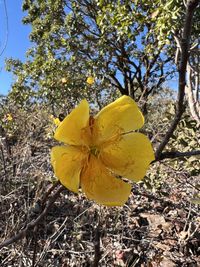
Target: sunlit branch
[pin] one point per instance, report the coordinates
(185, 43)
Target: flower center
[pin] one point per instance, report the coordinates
(94, 151)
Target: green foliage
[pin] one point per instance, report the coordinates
(114, 41)
(185, 138)
(127, 46)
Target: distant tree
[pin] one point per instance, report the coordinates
(114, 41)
(129, 47)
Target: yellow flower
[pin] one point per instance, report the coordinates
(56, 121)
(90, 80)
(99, 149)
(9, 117)
(64, 80)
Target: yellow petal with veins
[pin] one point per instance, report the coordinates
(120, 116)
(99, 185)
(129, 157)
(67, 162)
(73, 130)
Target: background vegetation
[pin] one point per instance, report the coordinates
(136, 48)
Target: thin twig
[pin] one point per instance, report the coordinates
(177, 154)
(3, 159)
(185, 43)
(33, 223)
(35, 246)
(97, 251)
(51, 188)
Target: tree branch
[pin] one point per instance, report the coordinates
(180, 106)
(118, 84)
(194, 105)
(177, 154)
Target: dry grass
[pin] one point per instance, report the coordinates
(152, 229)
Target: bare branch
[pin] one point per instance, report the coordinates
(97, 239)
(194, 105)
(3, 158)
(49, 191)
(177, 154)
(180, 106)
(118, 84)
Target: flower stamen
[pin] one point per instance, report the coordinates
(94, 151)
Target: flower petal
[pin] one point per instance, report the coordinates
(121, 116)
(99, 185)
(67, 162)
(130, 156)
(90, 80)
(72, 130)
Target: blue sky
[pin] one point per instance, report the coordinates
(18, 40)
